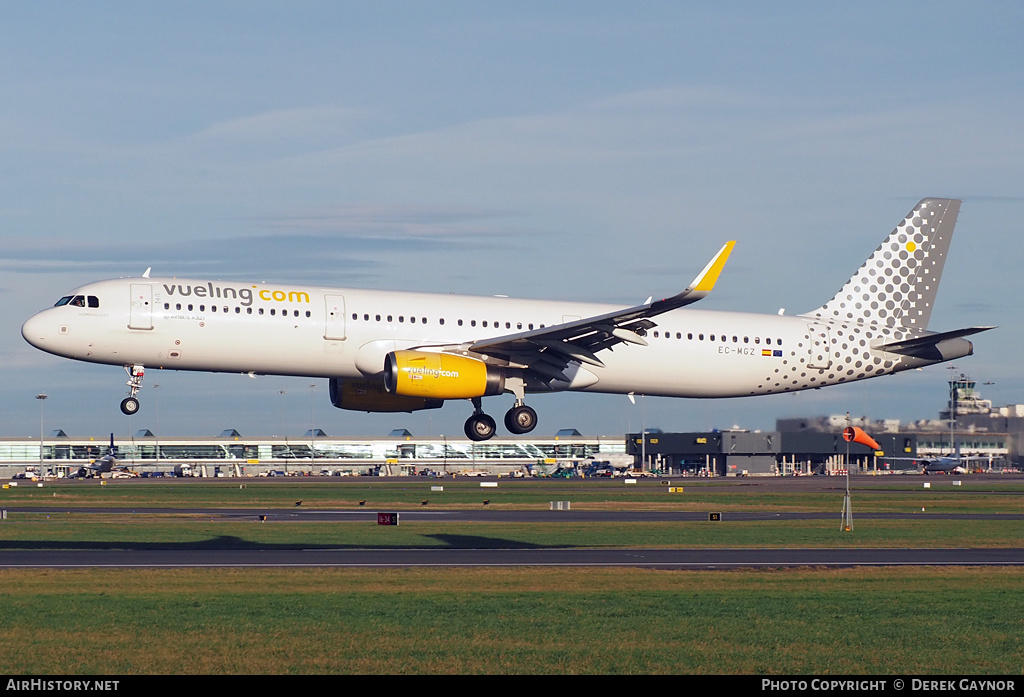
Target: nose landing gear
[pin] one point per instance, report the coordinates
(130, 404)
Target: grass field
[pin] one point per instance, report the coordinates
(117, 531)
(550, 621)
(618, 621)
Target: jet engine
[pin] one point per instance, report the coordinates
(440, 376)
(370, 395)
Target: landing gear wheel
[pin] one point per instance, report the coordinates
(480, 427)
(129, 405)
(520, 419)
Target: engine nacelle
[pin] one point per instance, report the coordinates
(440, 376)
(370, 395)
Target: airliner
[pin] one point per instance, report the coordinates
(402, 352)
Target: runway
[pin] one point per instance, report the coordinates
(706, 559)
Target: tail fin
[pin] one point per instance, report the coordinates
(896, 286)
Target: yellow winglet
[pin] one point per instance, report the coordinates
(707, 278)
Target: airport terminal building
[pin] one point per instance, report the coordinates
(231, 454)
(990, 437)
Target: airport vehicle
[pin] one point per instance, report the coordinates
(402, 352)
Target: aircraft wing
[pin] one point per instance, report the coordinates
(548, 351)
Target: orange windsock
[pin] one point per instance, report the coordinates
(857, 435)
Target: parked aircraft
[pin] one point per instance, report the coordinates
(946, 465)
(102, 465)
(399, 351)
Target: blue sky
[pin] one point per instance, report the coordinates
(580, 150)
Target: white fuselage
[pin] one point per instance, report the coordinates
(199, 325)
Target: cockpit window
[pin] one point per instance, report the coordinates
(79, 301)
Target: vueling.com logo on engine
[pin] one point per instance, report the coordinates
(418, 372)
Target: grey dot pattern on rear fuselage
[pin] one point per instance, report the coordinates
(849, 358)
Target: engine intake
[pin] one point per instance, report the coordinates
(440, 376)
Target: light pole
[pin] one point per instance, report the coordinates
(312, 421)
(41, 397)
(282, 393)
(156, 436)
(847, 514)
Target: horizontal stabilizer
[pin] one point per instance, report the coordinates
(927, 345)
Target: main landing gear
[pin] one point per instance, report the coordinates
(130, 404)
(518, 420)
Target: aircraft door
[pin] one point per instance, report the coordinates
(820, 354)
(141, 311)
(335, 318)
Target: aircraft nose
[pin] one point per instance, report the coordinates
(35, 330)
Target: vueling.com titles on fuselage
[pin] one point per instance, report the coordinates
(245, 296)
